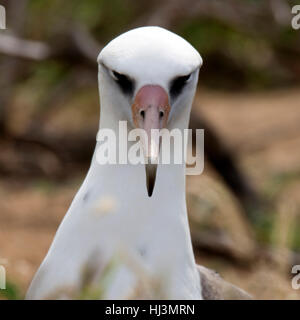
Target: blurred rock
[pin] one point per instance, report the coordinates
(217, 221)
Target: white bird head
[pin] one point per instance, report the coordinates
(148, 77)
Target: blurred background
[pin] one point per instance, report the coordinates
(244, 209)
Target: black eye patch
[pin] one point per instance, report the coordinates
(124, 82)
(178, 84)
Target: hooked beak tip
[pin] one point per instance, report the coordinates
(150, 177)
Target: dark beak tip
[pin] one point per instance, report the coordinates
(150, 178)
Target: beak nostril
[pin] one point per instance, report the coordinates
(142, 113)
(161, 114)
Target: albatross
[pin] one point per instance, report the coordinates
(132, 218)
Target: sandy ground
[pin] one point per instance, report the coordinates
(261, 128)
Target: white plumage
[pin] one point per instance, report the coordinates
(112, 218)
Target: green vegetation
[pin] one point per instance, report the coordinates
(12, 292)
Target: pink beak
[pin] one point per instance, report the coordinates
(150, 110)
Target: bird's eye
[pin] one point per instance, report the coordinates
(178, 84)
(124, 82)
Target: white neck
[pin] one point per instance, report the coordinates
(156, 225)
